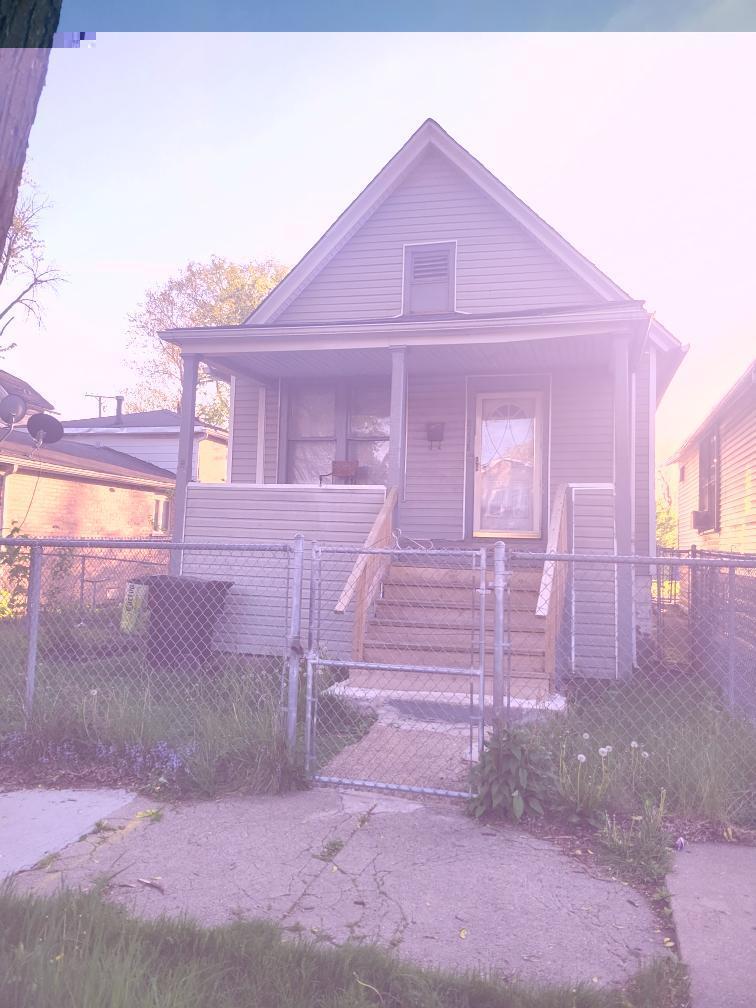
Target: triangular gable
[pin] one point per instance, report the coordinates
(428, 141)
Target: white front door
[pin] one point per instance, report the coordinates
(508, 461)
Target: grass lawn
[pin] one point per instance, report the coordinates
(666, 733)
(75, 951)
(199, 729)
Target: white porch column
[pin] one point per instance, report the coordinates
(398, 432)
(185, 452)
(623, 505)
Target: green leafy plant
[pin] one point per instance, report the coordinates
(513, 777)
(14, 574)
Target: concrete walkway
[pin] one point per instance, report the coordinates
(713, 889)
(37, 822)
(419, 878)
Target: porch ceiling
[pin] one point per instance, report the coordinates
(465, 357)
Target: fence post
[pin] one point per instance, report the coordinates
(313, 644)
(731, 637)
(295, 644)
(500, 588)
(32, 610)
(483, 590)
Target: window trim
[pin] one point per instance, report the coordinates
(343, 437)
(705, 483)
(161, 515)
(451, 247)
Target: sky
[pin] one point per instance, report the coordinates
(158, 149)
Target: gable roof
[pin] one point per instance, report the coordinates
(84, 458)
(13, 385)
(430, 134)
(744, 384)
(162, 418)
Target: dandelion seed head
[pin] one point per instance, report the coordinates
(644, 754)
(580, 758)
(609, 749)
(93, 692)
(633, 744)
(586, 736)
(603, 752)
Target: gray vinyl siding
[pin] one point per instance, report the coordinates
(255, 617)
(244, 424)
(593, 590)
(435, 480)
(737, 507)
(582, 427)
(500, 267)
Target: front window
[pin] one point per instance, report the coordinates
(342, 421)
(312, 433)
(368, 430)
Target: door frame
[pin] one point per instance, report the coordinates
(538, 384)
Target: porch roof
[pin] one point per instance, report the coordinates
(454, 342)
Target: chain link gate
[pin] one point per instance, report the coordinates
(396, 667)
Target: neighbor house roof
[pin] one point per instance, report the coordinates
(746, 381)
(157, 420)
(12, 385)
(82, 459)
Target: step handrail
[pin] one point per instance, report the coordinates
(378, 537)
(552, 589)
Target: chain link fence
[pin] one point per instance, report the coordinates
(382, 667)
(108, 658)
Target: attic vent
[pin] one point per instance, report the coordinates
(429, 278)
(430, 267)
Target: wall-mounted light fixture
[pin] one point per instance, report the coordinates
(434, 432)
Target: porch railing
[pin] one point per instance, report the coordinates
(551, 594)
(365, 578)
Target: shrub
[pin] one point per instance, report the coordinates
(513, 777)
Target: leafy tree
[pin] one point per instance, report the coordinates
(23, 270)
(216, 293)
(666, 513)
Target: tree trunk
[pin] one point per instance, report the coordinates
(26, 33)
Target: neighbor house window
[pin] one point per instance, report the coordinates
(161, 515)
(346, 419)
(429, 278)
(708, 480)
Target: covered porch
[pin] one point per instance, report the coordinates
(474, 422)
(451, 432)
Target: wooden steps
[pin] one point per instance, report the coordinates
(430, 616)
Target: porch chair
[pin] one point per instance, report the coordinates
(344, 470)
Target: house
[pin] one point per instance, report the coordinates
(12, 385)
(716, 471)
(153, 436)
(69, 490)
(442, 367)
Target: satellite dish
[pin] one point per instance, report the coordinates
(44, 429)
(12, 409)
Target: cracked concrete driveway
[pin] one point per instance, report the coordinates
(345, 866)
